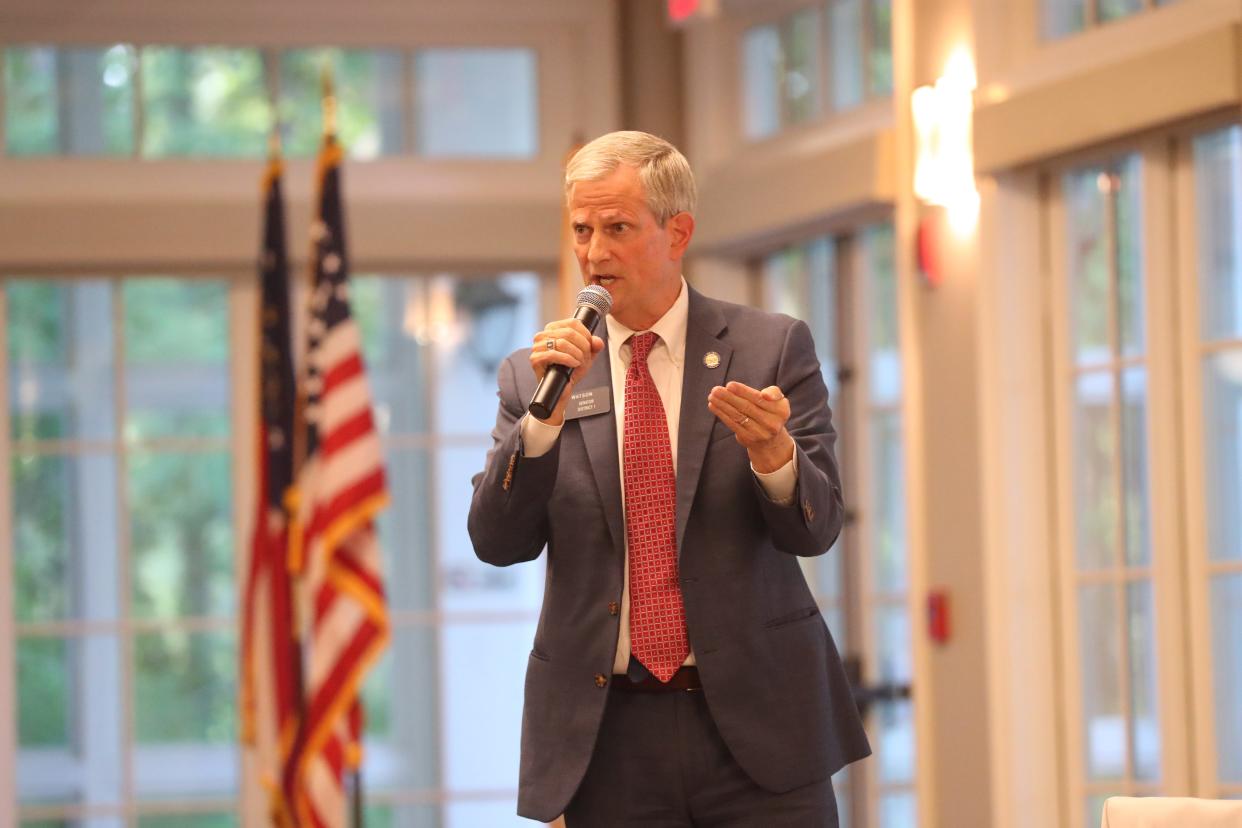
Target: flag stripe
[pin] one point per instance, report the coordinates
(350, 431)
(349, 509)
(346, 369)
(341, 402)
(341, 489)
(270, 653)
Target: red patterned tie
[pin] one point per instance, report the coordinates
(657, 616)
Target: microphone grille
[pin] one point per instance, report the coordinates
(596, 297)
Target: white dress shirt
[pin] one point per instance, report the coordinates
(666, 362)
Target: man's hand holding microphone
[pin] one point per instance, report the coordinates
(563, 351)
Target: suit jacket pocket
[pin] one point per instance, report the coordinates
(792, 617)
(539, 655)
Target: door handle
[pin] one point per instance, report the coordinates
(866, 695)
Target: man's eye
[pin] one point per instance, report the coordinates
(580, 229)
(620, 227)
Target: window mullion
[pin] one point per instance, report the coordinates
(439, 631)
(4, 150)
(850, 427)
(1120, 584)
(138, 113)
(124, 557)
(866, 35)
(8, 638)
(272, 80)
(784, 36)
(243, 304)
(408, 104)
(827, 74)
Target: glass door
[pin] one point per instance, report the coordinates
(1145, 278)
(1210, 188)
(844, 287)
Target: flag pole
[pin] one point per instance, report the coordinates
(359, 821)
(329, 137)
(329, 103)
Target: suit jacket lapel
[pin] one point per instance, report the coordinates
(705, 324)
(600, 435)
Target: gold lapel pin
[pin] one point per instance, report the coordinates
(711, 359)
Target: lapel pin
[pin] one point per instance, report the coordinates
(711, 359)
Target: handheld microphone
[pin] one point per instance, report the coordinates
(593, 305)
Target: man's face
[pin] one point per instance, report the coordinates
(621, 246)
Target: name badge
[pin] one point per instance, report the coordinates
(588, 402)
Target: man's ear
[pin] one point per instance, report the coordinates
(680, 229)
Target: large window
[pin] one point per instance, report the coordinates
(445, 704)
(844, 287)
(70, 101)
(1146, 346)
(1106, 379)
(173, 101)
(122, 549)
(1217, 165)
(369, 88)
(1061, 18)
(826, 58)
(125, 550)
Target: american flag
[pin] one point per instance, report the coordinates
(341, 489)
(271, 663)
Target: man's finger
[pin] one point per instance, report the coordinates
(581, 342)
(564, 340)
(768, 399)
(739, 413)
(572, 329)
(727, 415)
(746, 430)
(747, 405)
(564, 345)
(744, 391)
(545, 359)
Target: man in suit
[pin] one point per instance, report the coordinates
(681, 674)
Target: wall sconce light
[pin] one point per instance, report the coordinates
(944, 170)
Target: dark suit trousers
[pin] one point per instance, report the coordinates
(659, 762)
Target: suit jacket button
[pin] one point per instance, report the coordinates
(601, 680)
(613, 608)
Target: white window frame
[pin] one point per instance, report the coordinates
(858, 601)
(250, 800)
(1014, 58)
(1034, 715)
(125, 626)
(1199, 568)
(1164, 472)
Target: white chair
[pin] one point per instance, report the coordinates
(1170, 812)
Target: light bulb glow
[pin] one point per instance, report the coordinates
(944, 173)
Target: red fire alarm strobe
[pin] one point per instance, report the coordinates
(938, 616)
(930, 241)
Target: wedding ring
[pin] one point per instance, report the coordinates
(549, 344)
(743, 421)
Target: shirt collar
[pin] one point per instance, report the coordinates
(671, 328)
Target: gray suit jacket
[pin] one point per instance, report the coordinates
(771, 674)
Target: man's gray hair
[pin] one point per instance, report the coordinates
(663, 171)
